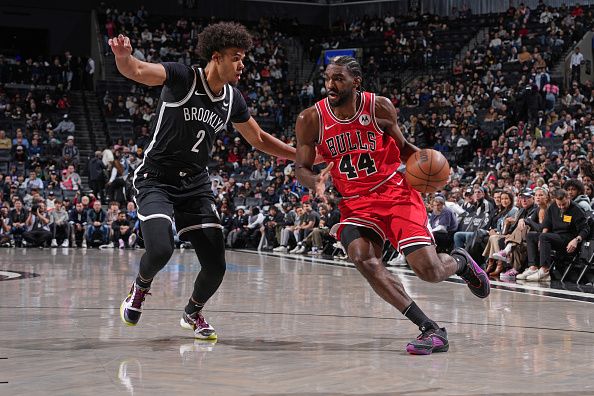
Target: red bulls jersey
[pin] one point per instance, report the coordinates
(364, 156)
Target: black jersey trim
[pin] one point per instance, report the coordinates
(211, 95)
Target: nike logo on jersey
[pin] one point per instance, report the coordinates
(326, 127)
(199, 93)
(225, 104)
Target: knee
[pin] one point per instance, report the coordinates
(368, 266)
(429, 273)
(544, 237)
(160, 251)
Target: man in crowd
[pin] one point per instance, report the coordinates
(565, 226)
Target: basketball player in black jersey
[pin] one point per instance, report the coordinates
(173, 182)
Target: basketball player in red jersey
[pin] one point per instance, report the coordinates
(358, 135)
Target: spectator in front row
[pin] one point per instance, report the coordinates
(517, 235)
(498, 228)
(123, 231)
(78, 223)
(239, 221)
(271, 228)
(309, 221)
(97, 231)
(18, 222)
(38, 233)
(290, 223)
(443, 224)
(59, 225)
(565, 226)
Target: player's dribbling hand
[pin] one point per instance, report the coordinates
(321, 181)
(120, 46)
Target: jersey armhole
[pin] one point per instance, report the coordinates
(320, 125)
(230, 108)
(373, 119)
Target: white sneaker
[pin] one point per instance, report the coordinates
(501, 256)
(398, 261)
(280, 249)
(338, 245)
(539, 276)
(527, 272)
(296, 248)
(315, 251)
(132, 240)
(84, 244)
(301, 250)
(54, 243)
(65, 243)
(108, 246)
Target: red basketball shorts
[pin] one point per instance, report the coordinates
(395, 211)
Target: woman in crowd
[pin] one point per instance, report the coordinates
(498, 228)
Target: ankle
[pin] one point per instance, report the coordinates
(192, 307)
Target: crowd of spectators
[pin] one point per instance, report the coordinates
(271, 98)
(519, 147)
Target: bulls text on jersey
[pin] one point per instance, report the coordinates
(350, 142)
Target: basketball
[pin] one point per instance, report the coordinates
(427, 171)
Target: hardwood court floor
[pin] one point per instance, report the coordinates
(286, 327)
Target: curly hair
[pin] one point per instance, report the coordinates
(223, 35)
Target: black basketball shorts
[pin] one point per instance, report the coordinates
(185, 198)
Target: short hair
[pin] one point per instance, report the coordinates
(350, 63)
(560, 194)
(578, 185)
(218, 36)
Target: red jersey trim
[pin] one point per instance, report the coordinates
(321, 124)
(372, 110)
(353, 118)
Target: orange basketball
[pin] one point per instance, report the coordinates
(427, 171)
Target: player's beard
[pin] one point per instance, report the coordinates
(342, 97)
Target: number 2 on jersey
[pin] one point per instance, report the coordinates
(365, 162)
(200, 136)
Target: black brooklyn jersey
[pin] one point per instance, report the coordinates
(189, 116)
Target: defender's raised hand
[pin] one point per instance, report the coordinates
(120, 46)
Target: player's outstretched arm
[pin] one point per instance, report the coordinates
(264, 141)
(387, 118)
(307, 130)
(132, 68)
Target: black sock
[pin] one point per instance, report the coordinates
(193, 307)
(143, 283)
(462, 263)
(418, 317)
